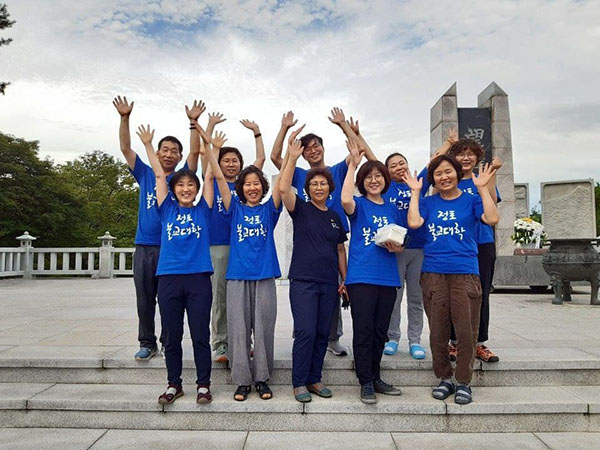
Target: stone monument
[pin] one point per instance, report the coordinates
(522, 200)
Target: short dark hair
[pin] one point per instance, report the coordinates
(387, 160)
(239, 183)
(305, 140)
(324, 172)
(435, 162)
(366, 169)
(182, 173)
(464, 145)
(171, 139)
(225, 150)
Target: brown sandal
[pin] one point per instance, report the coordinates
(173, 392)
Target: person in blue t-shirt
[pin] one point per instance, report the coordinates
(469, 154)
(231, 161)
(450, 279)
(318, 256)
(147, 237)
(184, 266)
(314, 154)
(251, 273)
(373, 276)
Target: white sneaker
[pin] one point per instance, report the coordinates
(336, 348)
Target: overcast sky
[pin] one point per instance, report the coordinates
(385, 62)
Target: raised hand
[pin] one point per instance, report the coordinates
(288, 121)
(123, 107)
(496, 163)
(355, 154)
(295, 133)
(411, 180)
(353, 125)
(485, 175)
(215, 118)
(196, 110)
(218, 139)
(337, 116)
(145, 134)
(452, 136)
(250, 125)
(295, 149)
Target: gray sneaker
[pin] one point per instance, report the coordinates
(367, 393)
(221, 354)
(381, 387)
(336, 348)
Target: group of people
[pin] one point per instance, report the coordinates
(214, 258)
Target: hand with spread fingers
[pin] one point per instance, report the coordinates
(337, 116)
(145, 134)
(218, 140)
(196, 110)
(123, 106)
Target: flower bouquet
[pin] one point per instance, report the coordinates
(528, 233)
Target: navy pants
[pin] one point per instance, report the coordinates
(191, 294)
(371, 307)
(312, 305)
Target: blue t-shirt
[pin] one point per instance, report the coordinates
(252, 254)
(368, 263)
(218, 225)
(334, 201)
(184, 243)
(451, 226)
(485, 233)
(148, 226)
(317, 234)
(399, 194)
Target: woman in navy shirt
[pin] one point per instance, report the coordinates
(251, 273)
(318, 255)
(372, 270)
(450, 279)
(184, 266)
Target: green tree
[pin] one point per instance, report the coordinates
(33, 198)
(106, 190)
(5, 22)
(536, 213)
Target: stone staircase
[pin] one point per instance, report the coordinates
(530, 390)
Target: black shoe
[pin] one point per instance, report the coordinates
(367, 393)
(381, 387)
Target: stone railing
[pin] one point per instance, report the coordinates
(27, 261)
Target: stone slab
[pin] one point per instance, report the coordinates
(467, 441)
(519, 270)
(522, 208)
(59, 356)
(543, 359)
(322, 441)
(570, 441)
(48, 438)
(15, 395)
(569, 209)
(588, 394)
(170, 440)
(519, 400)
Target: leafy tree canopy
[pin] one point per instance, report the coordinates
(5, 22)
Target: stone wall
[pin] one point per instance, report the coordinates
(569, 209)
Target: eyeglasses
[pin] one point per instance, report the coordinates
(377, 177)
(314, 184)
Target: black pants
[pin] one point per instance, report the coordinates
(192, 294)
(486, 255)
(145, 261)
(371, 307)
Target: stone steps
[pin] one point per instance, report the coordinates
(496, 409)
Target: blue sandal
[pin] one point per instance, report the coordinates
(463, 395)
(391, 347)
(417, 352)
(443, 391)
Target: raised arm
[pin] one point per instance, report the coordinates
(496, 164)
(352, 132)
(162, 189)
(288, 196)
(490, 215)
(193, 114)
(414, 218)
(124, 109)
(213, 120)
(451, 139)
(287, 122)
(258, 140)
(348, 188)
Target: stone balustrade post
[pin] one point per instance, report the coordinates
(26, 243)
(106, 262)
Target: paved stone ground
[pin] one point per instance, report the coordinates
(71, 317)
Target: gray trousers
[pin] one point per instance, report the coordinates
(145, 261)
(219, 254)
(251, 307)
(409, 267)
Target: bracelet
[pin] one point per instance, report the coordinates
(192, 128)
(257, 135)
